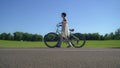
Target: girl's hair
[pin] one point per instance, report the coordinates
(64, 14)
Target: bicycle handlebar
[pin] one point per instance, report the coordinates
(59, 24)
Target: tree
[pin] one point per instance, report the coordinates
(106, 36)
(9, 37)
(6, 36)
(18, 36)
(3, 36)
(117, 34)
(79, 35)
(37, 37)
(101, 37)
(26, 37)
(111, 36)
(0, 36)
(96, 36)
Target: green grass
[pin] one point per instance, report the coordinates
(20, 44)
(89, 44)
(103, 44)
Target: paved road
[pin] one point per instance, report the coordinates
(60, 58)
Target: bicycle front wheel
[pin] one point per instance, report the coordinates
(76, 42)
(51, 40)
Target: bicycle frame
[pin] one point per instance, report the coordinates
(58, 31)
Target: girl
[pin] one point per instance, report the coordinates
(65, 32)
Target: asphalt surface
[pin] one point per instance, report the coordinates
(60, 58)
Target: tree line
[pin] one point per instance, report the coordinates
(96, 36)
(21, 36)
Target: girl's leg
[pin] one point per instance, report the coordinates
(69, 42)
(59, 43)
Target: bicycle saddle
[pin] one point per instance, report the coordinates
(71, 30)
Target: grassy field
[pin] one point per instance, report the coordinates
(89, 44)
(103, 44)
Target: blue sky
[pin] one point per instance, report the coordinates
(41, 16)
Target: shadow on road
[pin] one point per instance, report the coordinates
(115, 47)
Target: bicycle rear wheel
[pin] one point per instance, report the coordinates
(51, 40)
(76, 42)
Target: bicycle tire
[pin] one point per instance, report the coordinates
(52, 41)
(77, 43)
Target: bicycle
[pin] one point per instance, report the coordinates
(53, 39)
